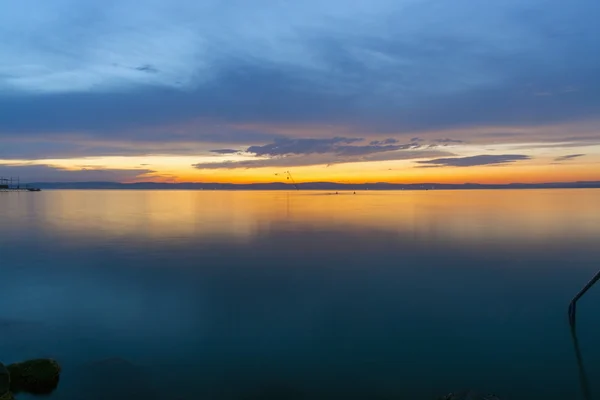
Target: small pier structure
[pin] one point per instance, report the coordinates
(12, 184)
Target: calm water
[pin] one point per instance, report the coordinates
(301, 295)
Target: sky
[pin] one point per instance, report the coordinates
(242, 91)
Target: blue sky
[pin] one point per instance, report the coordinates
(110, 84)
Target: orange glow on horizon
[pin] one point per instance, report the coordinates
(499, 174)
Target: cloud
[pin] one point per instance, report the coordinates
(448, 141)
(312, 151)
(474, 160)
(49, 173)
(338, 145)
(147, 68)
(302, 146)
(320, 159)
(383, 142)
(225, 151)
(194, 140)
(370, 149)
(444, 142)
(568, 157)
(582, 141)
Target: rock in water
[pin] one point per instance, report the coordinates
(4, 381)
(34, 376)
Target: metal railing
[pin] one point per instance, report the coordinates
(573, 304)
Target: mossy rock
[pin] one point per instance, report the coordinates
(4, 380)
(38, 376)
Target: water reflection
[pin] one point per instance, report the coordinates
(396, 295)
(583, 377)
(468, 217)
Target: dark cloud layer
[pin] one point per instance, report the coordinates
(450, 72)
(474, 160)
(234, 98)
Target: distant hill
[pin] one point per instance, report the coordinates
(308, 186)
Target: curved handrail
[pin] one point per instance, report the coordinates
(573, 303)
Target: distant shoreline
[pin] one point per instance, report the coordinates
(310, 186)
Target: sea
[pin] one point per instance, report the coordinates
(406, 295)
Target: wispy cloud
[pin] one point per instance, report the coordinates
(564, 143)
(568, 157)
(474, 160)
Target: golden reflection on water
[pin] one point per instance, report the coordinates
(466, 215)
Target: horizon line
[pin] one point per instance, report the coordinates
(308, 183)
